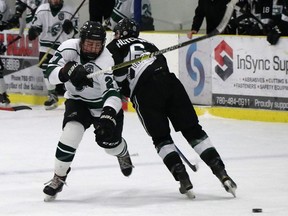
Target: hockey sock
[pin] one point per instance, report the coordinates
(69, 141)
(167, 151)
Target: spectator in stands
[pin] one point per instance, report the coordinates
(50, 20)
(269, 18)
(100, 10)
(274, 17)
(21, 6)
(138, 10)
(243, 21)
(210, 10)
(4, 14)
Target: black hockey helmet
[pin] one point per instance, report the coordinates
(94, 31)
(126, 28)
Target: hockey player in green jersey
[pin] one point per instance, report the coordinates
(89, 102)
(49, 21)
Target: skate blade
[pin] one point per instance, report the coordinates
(229, 188)
(54, 106)
(190, 194)
(49, 198)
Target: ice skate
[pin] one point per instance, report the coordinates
(218, 169)
(229, 185)
(54, 186)
(52, 101)
(125, 163)
(185, 183)
(4, 100)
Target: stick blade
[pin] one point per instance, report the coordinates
(15, 108)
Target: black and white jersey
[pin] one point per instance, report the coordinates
(131, 48)
(105, 91)
(273, 13)
(51, 25)
(268, 10)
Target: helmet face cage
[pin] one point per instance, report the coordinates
(126, 28)
(93, 31)
(56, 6)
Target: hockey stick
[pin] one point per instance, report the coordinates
(248, 14)
(16, 108)
(194, 167)
(21, 31)
(220, 28)
(55, 41)
(14, 40)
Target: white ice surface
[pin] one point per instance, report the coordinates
(255, 154)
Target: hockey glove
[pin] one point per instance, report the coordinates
(3, 26)
(67, 26)
(6, 26)
(273, 36)
(34, 32)
(14, 21)
(3, 48)
(76, 73)
(107, 124)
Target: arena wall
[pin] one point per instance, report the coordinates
(224, 73)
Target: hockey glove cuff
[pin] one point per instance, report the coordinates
(107, 124)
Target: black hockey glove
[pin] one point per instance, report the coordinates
(3, 48)
(107, 124)
(67, 26)
(124, 88)
(3, 26)
(34, 32)
(273, 36)
(14, 21)
(6, 26)
(76, 73)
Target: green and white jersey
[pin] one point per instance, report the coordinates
(126, 9)
(5, 11)
(32, 5)
(105, 91)
(51, 25)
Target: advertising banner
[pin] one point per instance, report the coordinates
(249, 72)
(236, 71)
(21, 74)
(195, 70)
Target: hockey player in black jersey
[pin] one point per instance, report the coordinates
(158, 96)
